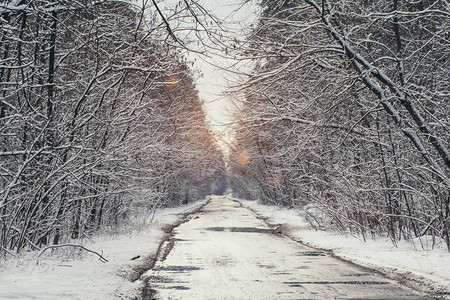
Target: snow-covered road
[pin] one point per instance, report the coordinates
(226, 252)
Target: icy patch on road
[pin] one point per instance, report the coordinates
(71, 274)
(408, 260)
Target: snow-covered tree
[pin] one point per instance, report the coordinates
(348, 109)
(95, 111)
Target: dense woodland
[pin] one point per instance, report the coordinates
(98, 118)
(348, 109)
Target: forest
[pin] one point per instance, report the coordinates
(343, 105)
(347, 109)
(99, 119)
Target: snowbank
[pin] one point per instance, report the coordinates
(426, 269)
(75, 274)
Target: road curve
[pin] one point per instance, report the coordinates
(226, 252)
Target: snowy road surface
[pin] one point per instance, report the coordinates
(226, 252)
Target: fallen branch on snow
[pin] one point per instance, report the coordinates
(101, 258)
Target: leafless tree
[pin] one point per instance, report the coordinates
(95, 109)
(350, 100)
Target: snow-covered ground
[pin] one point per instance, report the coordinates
(428, 269)
(75, 274)
(71, 274)
(227, 252)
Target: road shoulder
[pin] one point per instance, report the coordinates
(422, 270)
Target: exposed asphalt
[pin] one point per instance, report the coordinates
(225, 252)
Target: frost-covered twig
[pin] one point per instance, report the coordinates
(5, 251)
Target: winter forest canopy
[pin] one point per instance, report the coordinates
(345, 108)
(348, 109)
(98, 118)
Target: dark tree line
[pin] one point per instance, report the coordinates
(96, 112)
(348, 109)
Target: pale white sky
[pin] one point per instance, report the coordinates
(236, 17)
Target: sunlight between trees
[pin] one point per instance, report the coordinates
(345, 108)
(99, 118)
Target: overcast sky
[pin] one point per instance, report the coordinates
(237, 17)
(214, 81)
